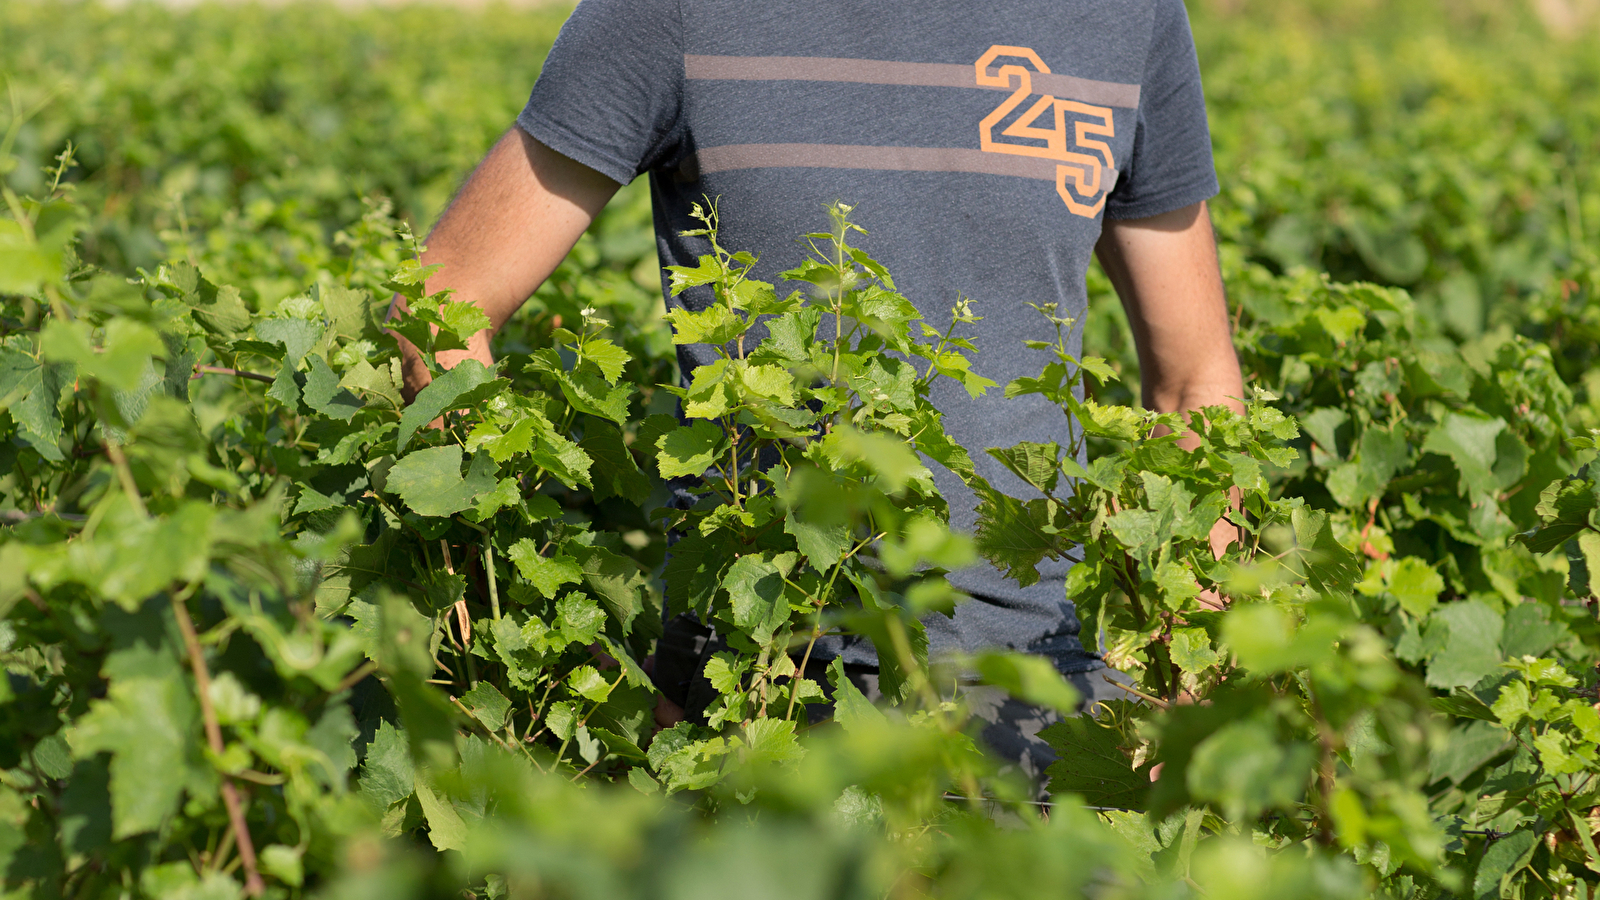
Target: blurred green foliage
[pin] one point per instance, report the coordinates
(399, 626)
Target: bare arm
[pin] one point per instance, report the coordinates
(513, 222)
(1165, 270)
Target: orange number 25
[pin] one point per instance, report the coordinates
(1080, 176)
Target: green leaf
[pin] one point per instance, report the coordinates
(1501, 859)
(589, 394)
(33, 391)
(430, 480)
(1035, 464)
(615, 581)
(606, 356)
(120, 362)
(851, 708)
(1529, 631)
(1191, 650)
(446, 831)
(440, 395)
(1118, 422)
(891, 461)
(26, 265)
(1467, 635)
(488, 705)
(716, 325)
(641, 781)
(1326, 427)
(580, 618)
(612, 471)
(689, 449)
(1011, 534)
(546, 574)
(755, 586)
(297, 336)
(1469, 442)
(219, 311)
(1470, 745)
(285, 387)
(791, 335)
(1031, 679)
(1245, 768)
(1416, 585)
(464, 319)
(386, 775)
(1330, 567)
(588, 683)
(1093, 765)
(821, 545)
(771, 742)
(151, 728)
(323, 393)
(694, 572)
(283, 863)
(1569, 500)
(707, 270)
(770, 382)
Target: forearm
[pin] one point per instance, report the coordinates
(1165, 270)
(506, 231)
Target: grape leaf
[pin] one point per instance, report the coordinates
(689, 449)
(546, 574)
(430, 480)
(297, 336)
(606, 356)
(1093, 765)
(488, 705)
(151, 728)
(441, 394)
(1467, 635)
(323, 393)
(386, 776)
(1469, 442)
(612, 470)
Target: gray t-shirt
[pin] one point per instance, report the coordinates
(980, 144)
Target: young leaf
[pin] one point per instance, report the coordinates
(546, 574)
(690, 449)
(488, 705)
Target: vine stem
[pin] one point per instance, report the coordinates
(253, 885)
(816, 629)
(223, 370)
(794, 690)
(1137, 693)
(488, 566)
(125, 476)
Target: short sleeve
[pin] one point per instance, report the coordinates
(1171, 165)
(610, 93)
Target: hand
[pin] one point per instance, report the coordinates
(512, 224)
(667, 713)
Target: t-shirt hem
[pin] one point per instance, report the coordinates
(1165, 202)
(564, 141)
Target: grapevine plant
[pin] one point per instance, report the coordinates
(270, 630)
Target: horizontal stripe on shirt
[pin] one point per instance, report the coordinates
(899, 159)
(872, 71)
